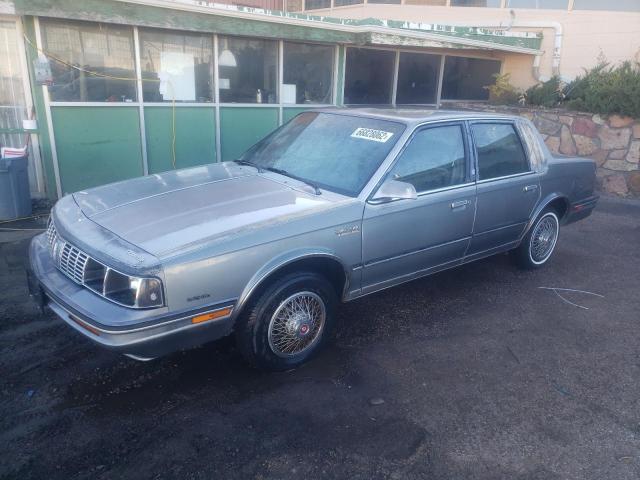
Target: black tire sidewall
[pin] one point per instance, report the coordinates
(256, 328)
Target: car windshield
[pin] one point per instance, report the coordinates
(333, 151)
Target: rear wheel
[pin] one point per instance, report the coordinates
(288, 322)
(539, 243)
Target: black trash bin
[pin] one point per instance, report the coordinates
(15, 200)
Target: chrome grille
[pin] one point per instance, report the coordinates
(52, 235)
(72, 262)
(86, 271)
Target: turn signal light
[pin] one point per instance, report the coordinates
(212, 316)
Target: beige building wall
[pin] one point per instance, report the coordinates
(586, 35)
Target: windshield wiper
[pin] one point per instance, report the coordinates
(315, 187)
(251, 164)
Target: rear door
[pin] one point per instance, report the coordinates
(411, 237)
(507, 187)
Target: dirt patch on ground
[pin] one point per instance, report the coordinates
(472, 373)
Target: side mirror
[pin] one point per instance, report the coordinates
(392, 190)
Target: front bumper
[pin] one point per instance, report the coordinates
(140, 334)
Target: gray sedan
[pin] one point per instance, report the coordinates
(334, 205)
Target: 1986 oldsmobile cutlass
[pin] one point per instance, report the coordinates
(334, 205)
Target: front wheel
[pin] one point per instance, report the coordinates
(539, 243)
(288, 322)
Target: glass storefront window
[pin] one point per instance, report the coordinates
(316, 4)
(618, 5)
(417, 79)
(342, 3)
(103, 55)
(385, 1)
(12, 99)
(540, 4)
(308, 73)
(465, 78)
(180, 66)
(477, 3)
(368, 76)
(437, 3)
(247, 70)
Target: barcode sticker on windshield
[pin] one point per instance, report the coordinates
(371, 134)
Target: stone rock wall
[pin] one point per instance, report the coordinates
(613, 142)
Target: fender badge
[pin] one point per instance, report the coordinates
(348, 230)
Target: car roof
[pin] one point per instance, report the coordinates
(414, 115)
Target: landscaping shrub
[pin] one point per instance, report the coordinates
(545, 94)
(603, 89)
(501, 92)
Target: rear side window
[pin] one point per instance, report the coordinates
(434, 158)
(500, 151)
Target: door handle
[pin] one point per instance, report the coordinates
(460, 203)
(530, 188)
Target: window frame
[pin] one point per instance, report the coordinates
(439, 73)
(334, 72)
(394, 75)
(468, 180)
(41, 26)
(141, 30)
(476, 165)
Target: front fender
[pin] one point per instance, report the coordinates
(280, 262)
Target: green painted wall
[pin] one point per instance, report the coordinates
(195, 137)
(241, 127)
(96, 145)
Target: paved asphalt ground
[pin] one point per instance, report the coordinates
(482, 374)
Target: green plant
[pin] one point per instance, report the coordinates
(501, 91)
(546, 94)
(606, 89)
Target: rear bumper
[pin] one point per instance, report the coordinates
(582, 209)
(142, 335)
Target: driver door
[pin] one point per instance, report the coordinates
(408, 238)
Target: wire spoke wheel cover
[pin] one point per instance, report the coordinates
(297, 324)
(544, 238)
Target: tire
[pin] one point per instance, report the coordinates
(288, 322)
(540, 242)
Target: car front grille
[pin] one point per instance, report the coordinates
(52, 235)
(73, 262)
(70, 260)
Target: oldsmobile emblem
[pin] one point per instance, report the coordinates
(348, 230)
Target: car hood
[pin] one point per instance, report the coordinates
(166, 213)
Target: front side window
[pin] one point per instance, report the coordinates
(307, 73)
(434, 158)
(499, 149)
(97, 61)
(248, 70)
(176, 66)
(336, 152)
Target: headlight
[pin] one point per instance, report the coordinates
(132, 291)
